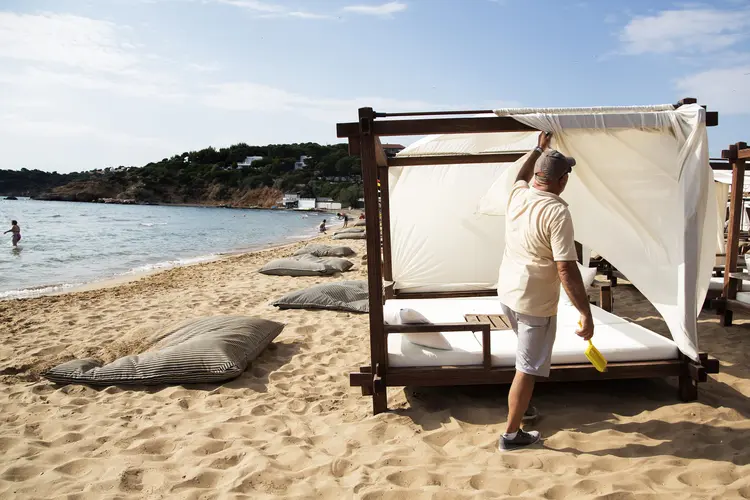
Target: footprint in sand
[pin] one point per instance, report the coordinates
(131, 480)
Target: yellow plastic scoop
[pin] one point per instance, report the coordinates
(594, 356)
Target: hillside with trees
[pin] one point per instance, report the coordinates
(209, 176)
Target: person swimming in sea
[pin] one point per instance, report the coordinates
(16, 230)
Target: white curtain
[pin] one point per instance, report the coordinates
(641, 194)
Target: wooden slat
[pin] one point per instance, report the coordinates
(743, 154)
(415, 161)
(446, 295)
(378, 350)
(496, 321)
(427, 126)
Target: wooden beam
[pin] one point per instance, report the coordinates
(437, 327)
(720, 165)
(354, 146)
(729, 291)
(427, 126)
(743, 154)
(414, 161)
(446, 294)
(474, 375)
(378, 346)
(605, 298)
(385, 208)
(712, 118)
(437, 113)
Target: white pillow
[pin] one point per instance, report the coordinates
(433, 340)
(588, 274)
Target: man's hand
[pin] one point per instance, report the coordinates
(543, 141)
(527, 170)
(586, 330)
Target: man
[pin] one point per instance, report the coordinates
(539, 254)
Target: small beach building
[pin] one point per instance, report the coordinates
(306, 204)
(327, 204)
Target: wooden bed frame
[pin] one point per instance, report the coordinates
(364, 141)
(727, 304)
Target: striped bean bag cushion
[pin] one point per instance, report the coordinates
(349, 236)
(306, 265)
(349, 230)
(325, 251)
(201, 350)
(351, 296)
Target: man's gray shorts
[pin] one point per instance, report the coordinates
(536, 336)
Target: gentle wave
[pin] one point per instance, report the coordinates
(172, 263)
(29, 293)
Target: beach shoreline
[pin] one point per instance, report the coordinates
(157, 267)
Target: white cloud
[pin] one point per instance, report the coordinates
(386, 9)
(268, 9)
(724, 90)
(67, 40)
(685, 31)
(245, 96)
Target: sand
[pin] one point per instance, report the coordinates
(292, 427)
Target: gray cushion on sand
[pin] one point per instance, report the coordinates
(325, 251)
(360, 223)
(349, 236)
(200, 350)
(349, 230)
(306, 265)
(339, 296)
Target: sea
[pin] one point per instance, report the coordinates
(65, 244)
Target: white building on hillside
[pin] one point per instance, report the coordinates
(248, 161)
(298, 165)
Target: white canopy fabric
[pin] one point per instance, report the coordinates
(641, 195)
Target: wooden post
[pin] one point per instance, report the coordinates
(385, 208)
(378, 348)
(733, 235)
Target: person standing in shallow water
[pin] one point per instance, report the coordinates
(322, 226)
(16, 230)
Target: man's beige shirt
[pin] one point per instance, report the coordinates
(538, 232)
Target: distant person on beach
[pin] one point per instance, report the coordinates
(362, 216)
(322, 226)
(346, 220)
(16, 230)
(540, 253)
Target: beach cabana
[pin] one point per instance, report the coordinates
(641, 196)
(732, 300)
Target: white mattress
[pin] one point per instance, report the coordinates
(615, 337)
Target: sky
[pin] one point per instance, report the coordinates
(90, 84)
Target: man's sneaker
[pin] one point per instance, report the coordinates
(530, 415)
(522, 440)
